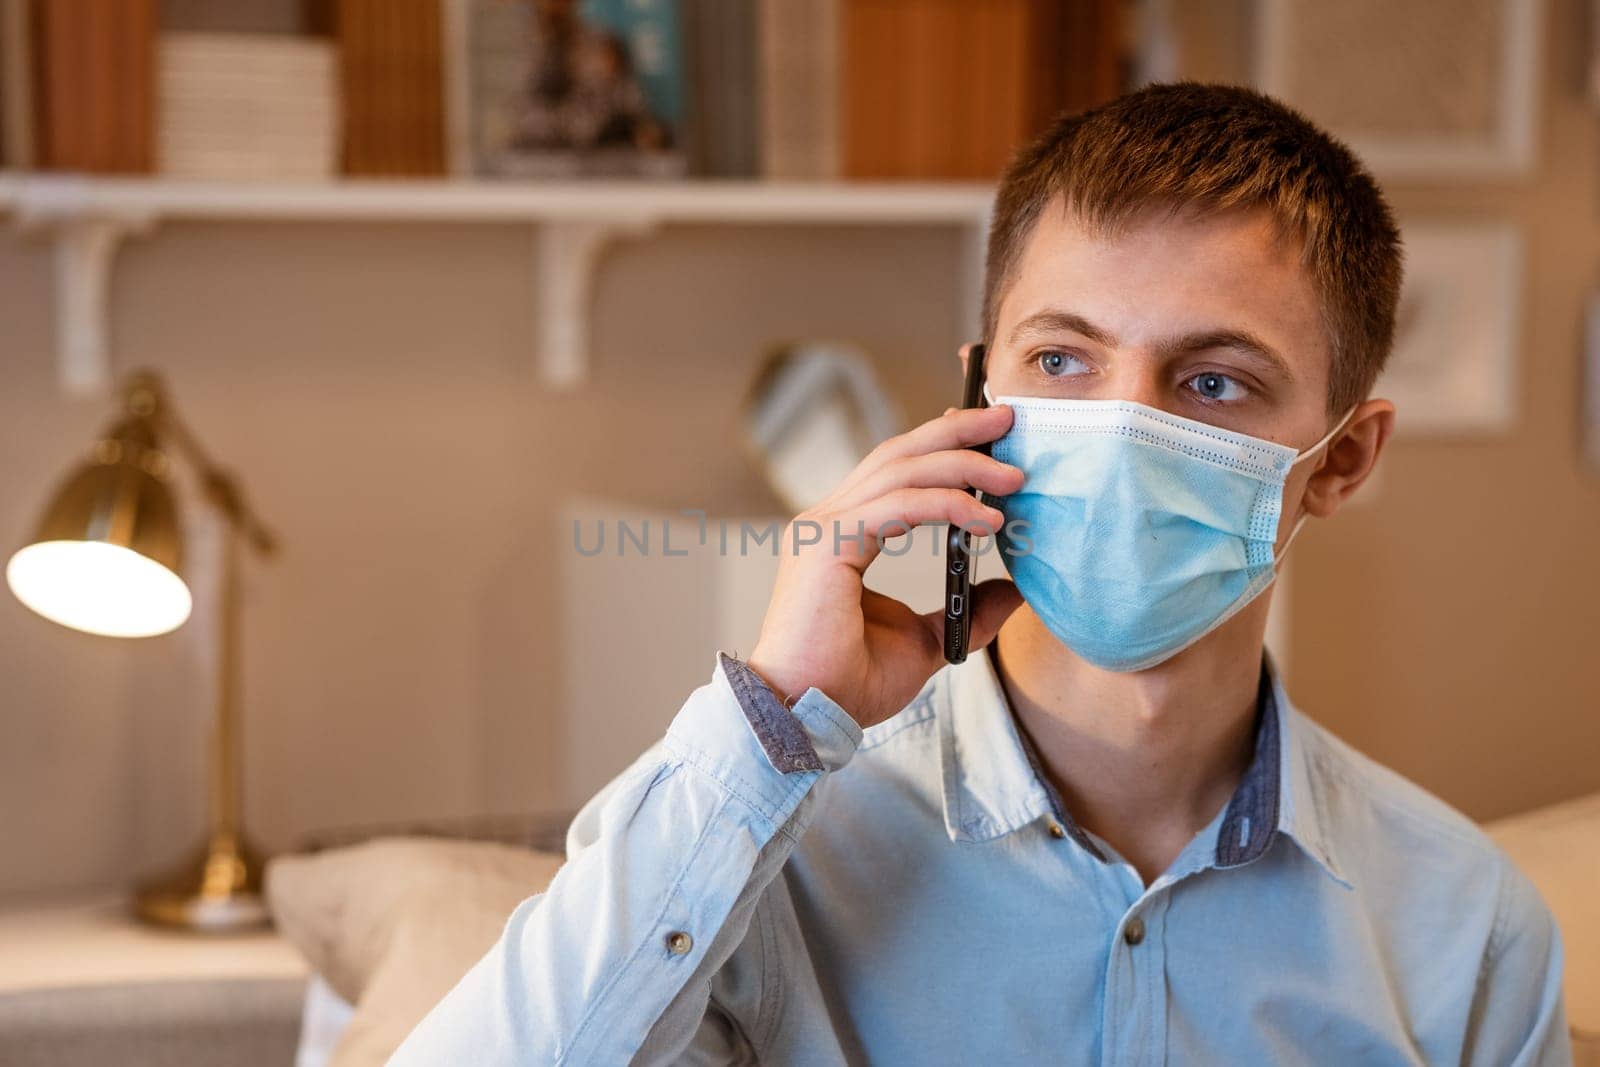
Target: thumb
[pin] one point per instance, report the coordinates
(993, 602)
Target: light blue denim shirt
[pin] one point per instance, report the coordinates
(778, 887)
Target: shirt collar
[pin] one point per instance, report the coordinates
(993, 785)
(989, 788)
(1302, 814)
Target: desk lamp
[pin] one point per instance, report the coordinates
(107, 558)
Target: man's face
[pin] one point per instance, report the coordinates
(1210, 318)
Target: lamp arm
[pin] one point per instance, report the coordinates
(219, 486)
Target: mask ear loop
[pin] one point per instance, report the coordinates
(1307, 453)
(1301, 458)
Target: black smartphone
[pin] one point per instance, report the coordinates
(958, 542)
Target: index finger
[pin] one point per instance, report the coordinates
(957, 428)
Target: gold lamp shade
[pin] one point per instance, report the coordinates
(107, 557)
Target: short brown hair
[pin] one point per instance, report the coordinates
(1211, 148)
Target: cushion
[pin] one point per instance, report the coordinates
(1558, 848)
(393, 924)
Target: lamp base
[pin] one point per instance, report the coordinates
(217, 891)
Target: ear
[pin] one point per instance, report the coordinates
(965, 349)
(1350, 458)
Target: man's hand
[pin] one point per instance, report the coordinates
(869, 653)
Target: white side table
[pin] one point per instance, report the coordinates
(82, 983)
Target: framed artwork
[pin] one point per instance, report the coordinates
(1454, 364)
(566, 88)
(1426, 88)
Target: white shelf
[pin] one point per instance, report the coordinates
(480, 201)
(88, 218)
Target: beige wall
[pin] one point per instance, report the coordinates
(373, 385)
(1450, 627)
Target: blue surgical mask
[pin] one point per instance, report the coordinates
(1137, 532)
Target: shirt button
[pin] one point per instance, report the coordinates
(679, 943)
(1056, 829)
(1133, 931)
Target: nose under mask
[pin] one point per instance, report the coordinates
(1136, 531)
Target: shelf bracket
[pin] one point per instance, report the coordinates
(566, 255)
(85, 247)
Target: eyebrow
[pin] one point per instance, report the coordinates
(1243, 342)
(1054, 320)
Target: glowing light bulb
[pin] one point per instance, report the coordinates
(99, 588)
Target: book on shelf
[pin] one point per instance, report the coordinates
(391, 73)
(1079, 56)
(247, 105)
(951, 89)
(799, 52)
(722, 127)
(93, 73)
(16, 85)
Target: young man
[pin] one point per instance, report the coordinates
(1108, 837)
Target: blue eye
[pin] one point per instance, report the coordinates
(1218, 387)
(1060, 364)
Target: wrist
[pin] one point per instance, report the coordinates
(785, 690)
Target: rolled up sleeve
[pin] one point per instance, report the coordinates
(611, 964)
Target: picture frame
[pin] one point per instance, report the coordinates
(575, 89)
(1453, 368)
(1438, 89)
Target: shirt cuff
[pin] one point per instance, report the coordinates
(814, 735)
(713, 733)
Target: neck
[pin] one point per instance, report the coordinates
(1145, 759)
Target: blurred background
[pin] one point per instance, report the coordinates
(435, 280)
